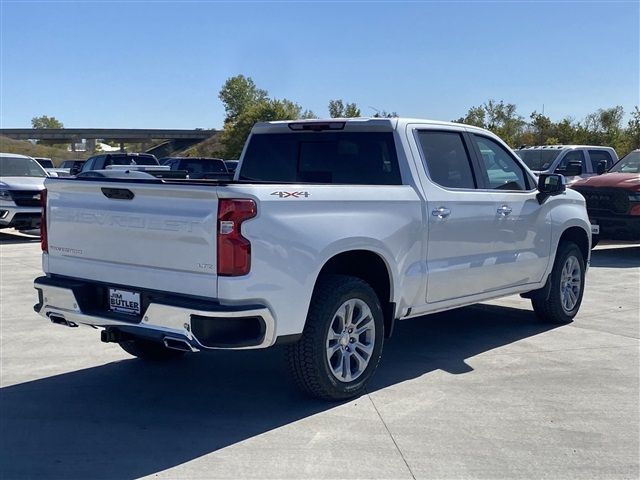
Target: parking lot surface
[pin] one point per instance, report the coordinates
(480, 392)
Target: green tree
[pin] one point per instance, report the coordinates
(385, 114)
(46, 122)
(235, 134)
(238, 94)
(338, 109)
(499, 117)
(541, 127)
(633, 131)
(308, 115)
(475, 116)
(565, 131)
(504, 121)
(602, 127)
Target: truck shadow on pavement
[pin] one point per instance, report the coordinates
(625, 257)
(12, 239)
(128, 419)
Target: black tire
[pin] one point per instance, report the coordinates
(307, 359)
(594, 240)
(146, 350)
(547, 304)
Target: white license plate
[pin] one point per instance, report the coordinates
(595, 229)
(124, 301)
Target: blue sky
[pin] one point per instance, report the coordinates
(161, 64)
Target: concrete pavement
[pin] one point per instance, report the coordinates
(481, 392)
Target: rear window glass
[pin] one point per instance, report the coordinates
(359, 158)
(132, 160)
(201, 166)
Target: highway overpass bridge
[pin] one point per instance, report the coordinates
(172, 139)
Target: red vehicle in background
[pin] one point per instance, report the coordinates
(613, 200)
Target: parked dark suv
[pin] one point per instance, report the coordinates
(102, 161)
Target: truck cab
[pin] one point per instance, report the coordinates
(572, 161)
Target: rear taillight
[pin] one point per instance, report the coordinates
(234, 251)
(44, 241)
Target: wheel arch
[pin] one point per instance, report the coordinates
(580, 237)
(371, 267)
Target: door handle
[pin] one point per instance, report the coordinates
(441, 212)
(504, 210)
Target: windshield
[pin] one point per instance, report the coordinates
(540, 160)
(20, 167)
(629, 164)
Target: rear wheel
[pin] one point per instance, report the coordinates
(342, 340)
(147, 350)
(565, 287)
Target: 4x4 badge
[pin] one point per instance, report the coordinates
(291, 194)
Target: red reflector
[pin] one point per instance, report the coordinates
(44, 241)
(234, 251)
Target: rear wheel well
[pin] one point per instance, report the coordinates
(371, 268)
(578, 236)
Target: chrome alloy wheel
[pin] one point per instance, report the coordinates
(350, 340)
(570, 283)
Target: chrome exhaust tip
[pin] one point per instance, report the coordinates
(178, 344)
(60, 320)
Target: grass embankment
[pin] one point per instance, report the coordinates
(56, 153)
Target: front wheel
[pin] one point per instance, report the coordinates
(566, 286)
(342, 340)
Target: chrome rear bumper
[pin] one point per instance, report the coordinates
(173, 317)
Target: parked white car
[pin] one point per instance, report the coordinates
(21, 183)
(330, 232)
(572, 161)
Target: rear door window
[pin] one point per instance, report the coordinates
(598, 156)
(358, 158)
(573, 156)
(447, 159)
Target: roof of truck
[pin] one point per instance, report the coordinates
(558, 147)
(13, 155)
(374, 123)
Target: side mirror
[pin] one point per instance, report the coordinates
(602, 167)
(572, 169)
(550, 184)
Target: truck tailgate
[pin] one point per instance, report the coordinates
(128, 233)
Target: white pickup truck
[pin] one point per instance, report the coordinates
(329, 233)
